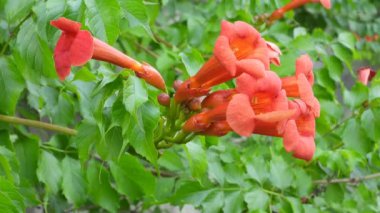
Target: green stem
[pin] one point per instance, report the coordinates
(56, 149)
(38, 124)
(273, 193)
(14, 32)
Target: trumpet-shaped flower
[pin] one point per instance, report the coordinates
(365, 75)
(201, 121)
(298, 137)
(239, 49)
(76, 47)
(300, 85)
(243, 119)
(218, 128)
(218, 98)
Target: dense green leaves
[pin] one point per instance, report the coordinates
(113, 161)
(132, 179)
(11, 86)
(49, 171)
(73, 181)
(104, 18)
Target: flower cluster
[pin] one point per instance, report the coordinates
(76, 47)
(262, 102)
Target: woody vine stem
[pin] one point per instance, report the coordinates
(73, 132)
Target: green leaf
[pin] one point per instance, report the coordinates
(11, 86)
(193, 61)
(355, 137)
(17, 9)
(370, 124)
(347, 39)
(197, 158)
(196, 27)
(215, 168)
(213, 203)
(136, 14)
(63, 112)
(257, 169)
(10, 198)
(357, 95)
(191, 193)
(303, 182)
(171, 160)
(134, 94)
(256, 200)
(99, 188)
(88, 135)
(73, 181)
(111, 146)
(27, 153)
(104, 18)
(233, 201)
(132, 179)
(84, 74)
(280, 173)
(8, 164)
(140, 131)
(35, 51)
(335, 67)
(55, 8)
(343, 53)
(49, 171)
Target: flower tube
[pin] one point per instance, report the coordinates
(76, 47)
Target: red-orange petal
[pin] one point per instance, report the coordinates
(196, 123)
(274, 53)
(246, 31)
(245, 84)
(228, 30)
(291, 136)
(271, 83)
(219, 128)
(66, 25)
(305, 90)
(62, 55)
(261, 53)
(275, 116)
(152, 76)
(305, 148)
(253, 67)
(304, 65)
(240, 115)
(365, 75)
(82, 48)
(326, 3)
(306, 124)
(217, 98)
(224, 54)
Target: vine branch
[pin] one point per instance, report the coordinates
(347, 180)
(38, 124)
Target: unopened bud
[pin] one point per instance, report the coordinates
(177, 84)
(195, 104)
(164, 99)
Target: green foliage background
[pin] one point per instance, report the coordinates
(113, 165)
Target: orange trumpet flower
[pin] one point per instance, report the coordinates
(76, 47)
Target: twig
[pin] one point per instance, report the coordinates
(13, 33)
(347, 180)
(340, 124)
(162, 173)
(163, 41)
(38, 124)
(154, 55)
